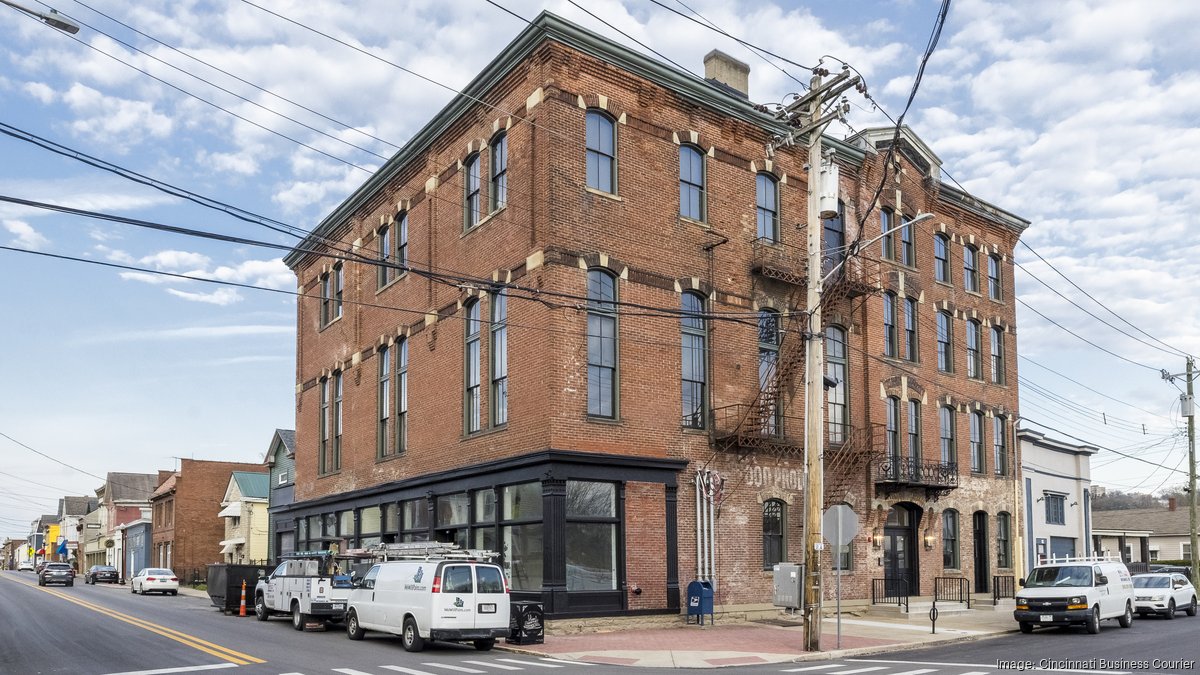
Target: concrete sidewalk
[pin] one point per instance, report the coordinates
(779, 641)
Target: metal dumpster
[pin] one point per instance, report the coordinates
(225, 585)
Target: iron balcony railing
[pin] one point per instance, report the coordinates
(777, 260)
(906, 471)
(758, 426)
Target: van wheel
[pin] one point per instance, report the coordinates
(1026, 627)
(298, 618)
(485, 644)
(1171, 609)
(1126, 619)
(410, 638)
(1093, 622)
(260, 608)
(1191, 609)
(353, 630)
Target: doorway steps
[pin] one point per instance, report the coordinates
(919, 606)
(985, 602)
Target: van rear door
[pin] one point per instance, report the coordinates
(491, 598)
(455, 604)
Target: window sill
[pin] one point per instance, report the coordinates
(391, 283)
(487, 431)
(331, 322)
(613, 421)
(695, 431)
(693, 221)
(388, 458)
(328, 475)
(601, 193)
(974, 293)
(482, 221)
(947, 284)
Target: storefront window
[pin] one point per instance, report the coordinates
(483, 516)
(522, 550)
(451, 518)
(523, 502)
(591, 536)
(369, 521)
(414, 524)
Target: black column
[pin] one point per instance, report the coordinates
(672, 534)
(554, 544)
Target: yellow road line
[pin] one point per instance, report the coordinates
(183, 638)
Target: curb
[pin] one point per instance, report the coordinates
(897, 647)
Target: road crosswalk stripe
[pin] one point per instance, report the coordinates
(410, 671)
(825, 666)
(852, 671)
(919, 671)
(351, 671)
(975, 672)
(533, 663)
(568, 663)
(493, 664)
(457, 669)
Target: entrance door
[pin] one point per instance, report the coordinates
(982, 573)
(900, 553)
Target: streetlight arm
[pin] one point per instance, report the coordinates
(857, 247)
(53, 19)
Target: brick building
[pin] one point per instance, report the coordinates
(566, 321)
(186, 529)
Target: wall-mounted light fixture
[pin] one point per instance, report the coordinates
(1074, 504)
(928, 541)
(876, 538)
(1042, 498)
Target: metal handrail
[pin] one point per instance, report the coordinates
(1003, 587)
(952, 589)
(890, 591)
(915, 472)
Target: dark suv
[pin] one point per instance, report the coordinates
(57, 573)
(97, 573)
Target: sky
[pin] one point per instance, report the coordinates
(1080, 117)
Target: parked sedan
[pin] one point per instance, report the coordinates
(57, 573)
(1164, 594)
(154, 580)
(96, 573)
(25, 566)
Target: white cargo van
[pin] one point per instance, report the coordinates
(1067, 591)
(454, 598)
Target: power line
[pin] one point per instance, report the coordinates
(1068, 330)
(643, 45)
(1100, 447)
(1094, 391)
(71, 466)
(753, 49)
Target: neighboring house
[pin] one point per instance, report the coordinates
(1145, 535)
(281, 461)
(13, 552)
(125, 497)
(93, 539)
(186, 532)
(642, 417)
(134, 542)
(244, 509)
(1057, 497)
(71, 512)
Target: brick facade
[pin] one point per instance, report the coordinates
(541, 245)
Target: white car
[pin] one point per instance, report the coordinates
(154, 580)
(25, 566)
(1163, 593)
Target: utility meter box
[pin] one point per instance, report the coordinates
(789, 586)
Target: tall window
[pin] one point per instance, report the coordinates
(971, 268)
(471, 192)
(908, 250)
(694, 365)
(977, 442)
(498, 185)
(768, 360)
(893, 428)
(888, 238)
(332, 285)
(333, 444)
(601, 152)
(1003, 540)
(402, 240)
(914, 430)
(833, 241)
(995, 289)
(890, 346)
(691, 182)
(383, 434)
(836, 369)
(997, 355)
(401, 396)
(974, 364)
(591, 536)
(323, 464)
(773, 529)
(999, 445)
(602, 344)
(499, 359)
(950, 539)
(471, 397)
(946, 432)
(945, 342)
(941, 258)
(767, 201)
(387, 269)
(910, 329)
(1056, 511)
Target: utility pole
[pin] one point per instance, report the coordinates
(1189, 409)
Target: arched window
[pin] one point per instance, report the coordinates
(950, 539)
(890, 338)
(498, 361)
(971, 268)
(1000, 445)
(914, 430)
(768, 361)
(471, 192)
(401, 396)
(833, 241)
(941, 258)
(498, 185)
(767, 200)
(887, 238)
(837, 369)
(694, 367)
(974, 363)
(1003, 540)
(977, 459)
(383, 435)
(602, 344)
(601, 152)
(945, 342)
(997, 355)
(774, 542)
(908, 250)
(946, 431)
(893, 429)
(471, 369)
(691, 182)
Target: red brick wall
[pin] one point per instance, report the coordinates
(199, 490)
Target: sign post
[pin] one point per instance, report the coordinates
(840, 524)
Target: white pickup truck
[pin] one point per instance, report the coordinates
(304, 586)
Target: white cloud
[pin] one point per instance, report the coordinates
(221, 296)
(115, 121)
(175, 261)
(242, 164)
(193, 333)
(267, 273)
(41, 91)
(145, 278)
(25, 236)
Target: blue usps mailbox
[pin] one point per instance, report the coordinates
(699, 601)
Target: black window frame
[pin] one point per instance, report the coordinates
(1056, 509)
(498, 173)
(472, 368)
(912, 346)
(383, 433)
(974, 350)
(401, 392)
(998, 355)
(692, 187)
(602, 311)
(693, 361)
(765, 211)
(945, 341)
(603, 156)
(995, 278)
(951, 558)
(891, 338)
(975, 442)
(472, 209)
(946, 433)
(941, 258)
(837, 368)
(498, 360)
(970, 268)
(1004, 540)
(908, 248)
(887, 240)
(774, 520)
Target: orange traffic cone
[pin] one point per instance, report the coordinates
(242, 609)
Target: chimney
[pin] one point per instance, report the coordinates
(724, 69)
(1171, 503)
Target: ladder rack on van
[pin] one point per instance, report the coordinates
(424, 550)
(1053, 560)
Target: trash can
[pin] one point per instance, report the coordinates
(526, 624)
(699, 601)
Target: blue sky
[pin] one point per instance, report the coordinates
(1079, 116)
